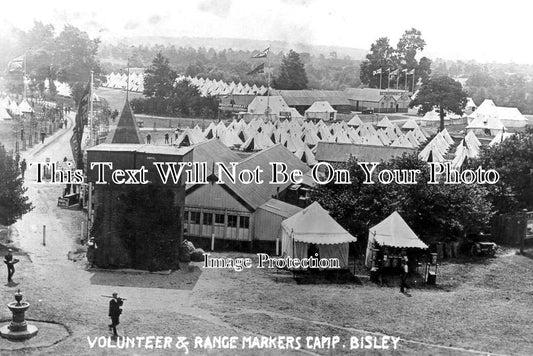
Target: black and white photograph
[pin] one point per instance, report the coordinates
(291, 177)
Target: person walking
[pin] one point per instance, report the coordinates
(404, 273)
(114, 312)
(166, 138)
(23, 167)
(10, 263)
(148, 138)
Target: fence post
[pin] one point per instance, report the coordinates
(524, 231)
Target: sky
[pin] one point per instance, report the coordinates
(486, 31)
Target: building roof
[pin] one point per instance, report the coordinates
(341, 152)
(141, 148)
(373, 94)
(213, 151)
(280, 208)
(126, 130)
(257, 194)
(308, 97)
(239, 100)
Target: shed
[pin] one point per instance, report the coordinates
(268, 218)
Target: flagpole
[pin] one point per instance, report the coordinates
(91, 133)
(128, 80)
(398, 80)
(388, 78)
(380, 76)
(24, 75)
(268, 84)
(406, 80)
(413, 81)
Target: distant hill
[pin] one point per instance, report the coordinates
(240, 44)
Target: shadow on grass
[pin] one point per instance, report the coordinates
(184, 279)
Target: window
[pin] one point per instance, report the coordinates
(194, 217)
(208, 219)
(232, 220)
(219, 219)
(244, 222)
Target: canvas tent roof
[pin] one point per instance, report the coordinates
(355, 121)
(315, 225)
(321, 106)
(4, 115)
(275, 103)
(393, 231)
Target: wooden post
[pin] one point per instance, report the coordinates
(44, 235)
(277, 246)
(212, 242)
(524, 232)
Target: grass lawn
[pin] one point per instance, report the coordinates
(483, 305)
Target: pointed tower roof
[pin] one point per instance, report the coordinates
(127, 130)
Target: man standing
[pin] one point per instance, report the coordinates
(114, 312)
(148, 138)
(23, 167)
(166, 138)
(10, 262)
(405, 271)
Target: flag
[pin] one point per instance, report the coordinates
(262, 54)
(81, 118)
(395, 72)
(411, 72)
(376, 72)
(259, 69)
(16, 65)
(404, 70)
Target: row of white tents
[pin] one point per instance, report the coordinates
(205, 86)
(10, 107)
(492, 120)
(301, 137)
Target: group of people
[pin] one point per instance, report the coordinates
(149, 139)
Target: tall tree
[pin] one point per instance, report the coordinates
(13, 202)
(292, 74)
(383, 56)
(442, 92)
(433, 210)
(159, 78)
(409, 45)
(75, 55)
(513, 160)
(379, 57)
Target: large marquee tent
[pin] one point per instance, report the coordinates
(393, 231)
(314, 225)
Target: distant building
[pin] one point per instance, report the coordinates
(379, 100)
(302, 100)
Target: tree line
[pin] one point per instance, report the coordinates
(322, 71)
